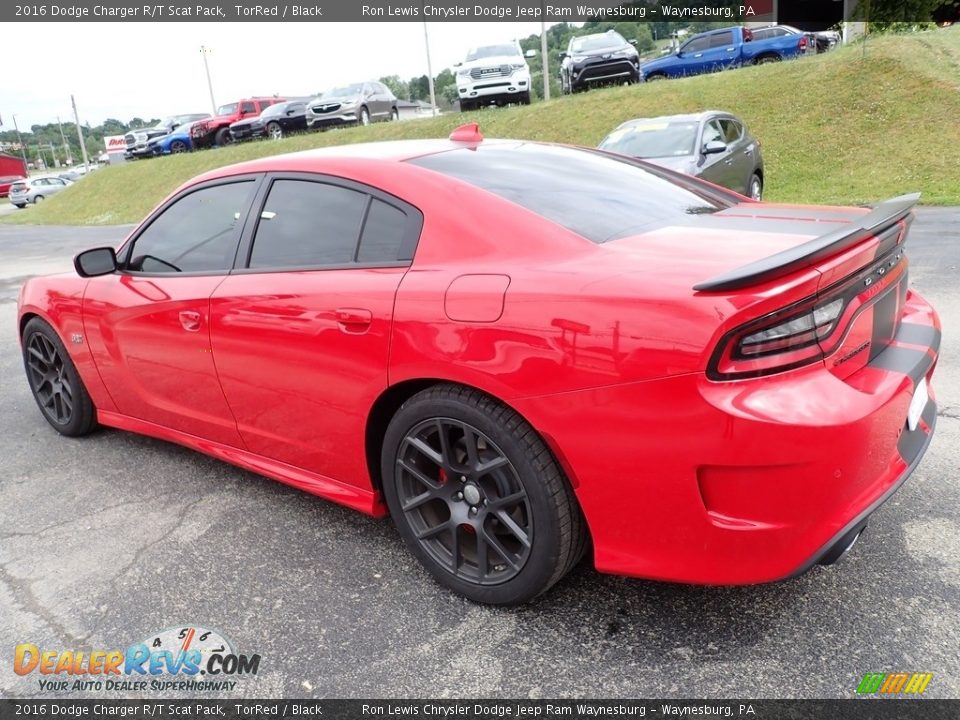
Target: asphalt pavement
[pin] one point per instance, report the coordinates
(108, 539)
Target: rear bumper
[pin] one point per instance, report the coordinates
(691, 480)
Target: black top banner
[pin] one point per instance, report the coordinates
(722, 11)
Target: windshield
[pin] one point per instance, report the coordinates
(227, 109)
(589, 43)
(355, 89)
(654, 139)
(505, 50)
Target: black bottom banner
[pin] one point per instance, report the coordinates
(864, 709)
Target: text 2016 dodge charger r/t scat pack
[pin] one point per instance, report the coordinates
(517, 350)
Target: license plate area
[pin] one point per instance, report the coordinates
(918, 403)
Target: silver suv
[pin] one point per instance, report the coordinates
(494, 74)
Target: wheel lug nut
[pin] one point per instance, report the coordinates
(463, 478)
(473, 511)
(459, 496)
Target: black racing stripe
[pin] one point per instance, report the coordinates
(884, 323)
(912, 442)
(913, 363)
(917, 334)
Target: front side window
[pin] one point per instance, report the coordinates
(721, 39)
(248, 107)
(712, 133)
(696, 45)
(308, 224)
(197, 233)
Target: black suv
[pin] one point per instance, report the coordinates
(598, 59)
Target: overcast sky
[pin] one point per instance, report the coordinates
(123, 70)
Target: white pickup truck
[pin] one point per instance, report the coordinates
(494, 74)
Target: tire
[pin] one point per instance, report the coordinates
(364, 117)
(764, 59)
(223, 137)
(755, 187)
(656, 76)
(54, 382)
(38, 199)
(467, 523)
(565, 85)
(178, 146)
(467, 106)
(21, 205)
(525, 98)
(274, 131)
(394, 115)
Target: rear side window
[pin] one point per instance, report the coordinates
(595, 195)
(197, 233)
(732, 130)
(383, 233)
(308, 224)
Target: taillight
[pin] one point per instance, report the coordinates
(806, 331)
(803, 42)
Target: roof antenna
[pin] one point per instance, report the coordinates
(469, 133)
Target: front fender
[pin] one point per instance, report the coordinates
(58, 300)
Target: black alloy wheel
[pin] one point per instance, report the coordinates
(54, 381)
(463, 499)
(478, 497)
(178, 146)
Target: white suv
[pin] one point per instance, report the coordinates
(494, 74)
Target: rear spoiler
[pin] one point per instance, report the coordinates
(783, 263)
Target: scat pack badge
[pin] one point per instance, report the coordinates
(186, 658)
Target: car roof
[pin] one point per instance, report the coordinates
(388, 151)
(688, 117)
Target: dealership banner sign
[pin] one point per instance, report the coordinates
(449, 10)
(481, 709)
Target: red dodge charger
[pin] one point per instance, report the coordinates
(518, 350)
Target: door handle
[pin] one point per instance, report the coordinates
(353, 320)
(190, 320)
(699, 55)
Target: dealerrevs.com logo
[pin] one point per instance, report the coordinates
(895, 683)
(188, 658)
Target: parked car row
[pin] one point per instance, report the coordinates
(265, 117)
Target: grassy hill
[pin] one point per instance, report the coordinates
(851, 126)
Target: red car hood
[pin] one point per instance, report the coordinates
(713, 244)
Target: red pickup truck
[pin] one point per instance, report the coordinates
(216, 130)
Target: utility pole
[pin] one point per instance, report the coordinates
(66, 148)
(23, 152)
(204, 50)
(433, 95)
(83, 146)
(546, 62)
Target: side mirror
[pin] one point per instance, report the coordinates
(98, 261)
(632, 42)
(563, 55)
(530, 54)
(714, 146)
(457, 64)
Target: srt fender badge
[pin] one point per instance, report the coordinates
(76, 338)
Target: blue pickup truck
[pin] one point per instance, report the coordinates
(730, 47)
